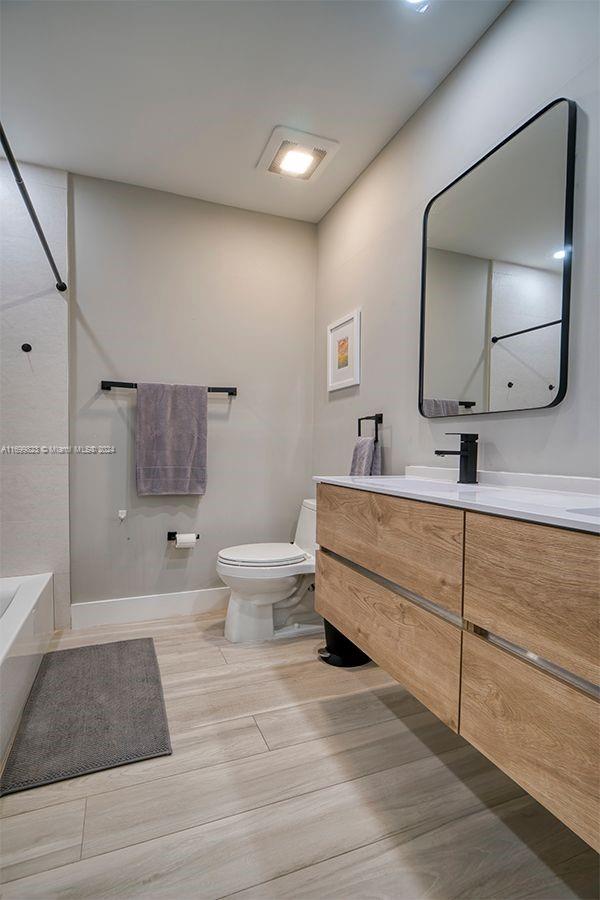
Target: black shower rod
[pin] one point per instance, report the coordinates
(502, 337)
(10, 158)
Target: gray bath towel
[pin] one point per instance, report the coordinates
(170, 439)
(432, 408)
(366, 458)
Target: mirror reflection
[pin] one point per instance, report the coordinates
(497, 268)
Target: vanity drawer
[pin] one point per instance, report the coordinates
(536, 586)
(418, 546)
(539, 730)
(416, 647)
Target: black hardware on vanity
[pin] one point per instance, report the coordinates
(502, 337)
(468, 457)
(377, 418)
(10, 158)
(468, 404)
(108, 385)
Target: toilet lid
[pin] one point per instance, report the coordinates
(262, 555)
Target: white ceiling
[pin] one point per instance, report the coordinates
(183, 96)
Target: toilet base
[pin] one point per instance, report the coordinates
(264, 617)
(247, 620)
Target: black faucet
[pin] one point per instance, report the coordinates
(468, 457)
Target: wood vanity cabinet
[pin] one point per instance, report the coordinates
(416, 545)
(513, 668)
(536, 586)
(418, 648)
(539, 730)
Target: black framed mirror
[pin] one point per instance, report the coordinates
(496, 275)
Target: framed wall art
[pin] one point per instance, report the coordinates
(343, 352)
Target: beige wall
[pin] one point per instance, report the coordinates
(178, 290)
(370, 250)
(34, 497)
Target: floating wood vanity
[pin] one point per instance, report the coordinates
(492, 622)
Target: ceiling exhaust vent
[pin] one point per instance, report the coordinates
(296, 154)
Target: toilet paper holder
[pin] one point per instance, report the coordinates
(172, 535)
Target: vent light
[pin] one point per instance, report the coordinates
(296, 154)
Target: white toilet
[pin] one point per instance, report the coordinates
(272, 584)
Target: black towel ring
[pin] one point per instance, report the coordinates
(377, 418)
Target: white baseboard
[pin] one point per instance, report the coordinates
(152, 606)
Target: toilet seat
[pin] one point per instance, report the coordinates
(262, 555)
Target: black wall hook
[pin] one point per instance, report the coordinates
(26, 348)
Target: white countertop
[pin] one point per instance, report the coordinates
(566, 509)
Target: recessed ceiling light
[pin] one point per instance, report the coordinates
(560, 254)
(296, 162)
(296, 154)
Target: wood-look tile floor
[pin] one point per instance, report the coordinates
(288, 778)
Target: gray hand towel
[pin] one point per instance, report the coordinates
(376, 462)
(170, 439)
(366, 458)
(432, 408)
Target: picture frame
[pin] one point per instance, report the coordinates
(343, 352)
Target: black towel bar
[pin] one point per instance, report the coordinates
(108, 385)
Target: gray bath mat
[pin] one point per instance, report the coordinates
(90, 708)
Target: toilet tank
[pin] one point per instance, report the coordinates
(306, 529)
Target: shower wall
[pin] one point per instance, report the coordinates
(522, 297)
(34, 486)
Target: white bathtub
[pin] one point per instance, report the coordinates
(26, 626)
